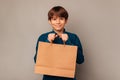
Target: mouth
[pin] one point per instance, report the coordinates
(58, 25)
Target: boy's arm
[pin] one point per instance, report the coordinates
(36, 51)
(80, 56)
(74, 40)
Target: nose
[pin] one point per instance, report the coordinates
(58, 20)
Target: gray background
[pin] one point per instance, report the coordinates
(96, 22)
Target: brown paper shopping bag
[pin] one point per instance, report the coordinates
(56, 59)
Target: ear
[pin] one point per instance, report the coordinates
(66, 21)
(49, 21)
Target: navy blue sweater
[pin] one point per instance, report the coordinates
(72, 40)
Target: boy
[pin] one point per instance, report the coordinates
(57, 17)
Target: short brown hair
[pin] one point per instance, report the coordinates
(57, 11)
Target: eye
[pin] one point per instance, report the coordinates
(53, 18)
(62, 18)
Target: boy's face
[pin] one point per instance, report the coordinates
(58, 23)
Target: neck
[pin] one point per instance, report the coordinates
(59, 32)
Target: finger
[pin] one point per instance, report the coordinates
(56, 35)
(64, 37)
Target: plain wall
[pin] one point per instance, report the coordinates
(96, 22)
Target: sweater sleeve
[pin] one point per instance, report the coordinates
(80, 56)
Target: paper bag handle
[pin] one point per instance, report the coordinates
(62, 40)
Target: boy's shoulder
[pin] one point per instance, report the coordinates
(44, 35)
(71, 34)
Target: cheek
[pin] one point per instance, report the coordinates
(64, 23)
(52, 22)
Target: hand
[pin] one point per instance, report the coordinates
(64, 37)
(51, 36)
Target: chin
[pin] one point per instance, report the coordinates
(58, 29)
